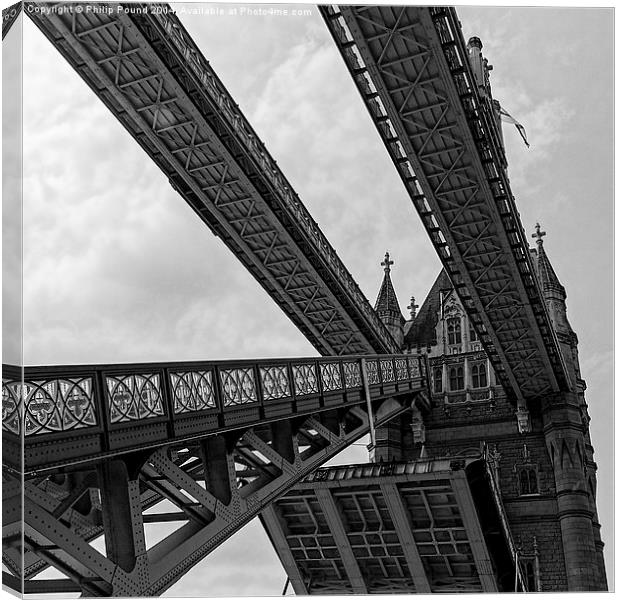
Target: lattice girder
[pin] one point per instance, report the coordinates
(206, 513)
(410, 65)
(150, 74)
(63, 415)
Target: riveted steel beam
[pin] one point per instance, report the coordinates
(208, 514)
(148, 71)
(445, 145)
(404, 531)
(78, 415)
(331, 514)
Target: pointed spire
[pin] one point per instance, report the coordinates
(387, 303)
(387, 307)
(546, 273)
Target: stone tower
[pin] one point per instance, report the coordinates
(544, 465)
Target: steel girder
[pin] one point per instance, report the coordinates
(65, 415)
(211, 488)
(147, 70)
(411, 68)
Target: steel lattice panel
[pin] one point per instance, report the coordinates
(441, 537)
(445, 147)
(154, 79)
(381, 528)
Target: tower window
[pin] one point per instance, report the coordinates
(528, 481)
(454, 330)
(438, 380)
(473, 336)
(457, 381)
(479, 375)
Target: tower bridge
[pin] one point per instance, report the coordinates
(460, 496)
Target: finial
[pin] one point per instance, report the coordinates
(413, 307)
(539, 234)
(387, 262)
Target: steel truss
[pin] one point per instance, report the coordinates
(411, 68)
(148, 71)
(209, 487)
(397, 527)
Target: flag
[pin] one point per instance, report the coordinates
(509, 119)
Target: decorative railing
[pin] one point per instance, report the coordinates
(65, 399)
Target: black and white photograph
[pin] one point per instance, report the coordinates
(307, 299)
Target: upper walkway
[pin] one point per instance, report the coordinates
(82, 413)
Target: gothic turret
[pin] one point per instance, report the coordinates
(553, 290)
(555, 299)
(387, 306)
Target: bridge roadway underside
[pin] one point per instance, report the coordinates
(411, 67)
(147, 70)
(196, 450)
(419, 527)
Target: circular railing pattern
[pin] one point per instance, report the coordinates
(192, 391)
(305, 380)
(352, 374)
(401, 369)
(372, 371)
(134, 397)
(11, 406)
(275, 382)
(330, 377)
(387, 371)
(50, 406)
(238, 386)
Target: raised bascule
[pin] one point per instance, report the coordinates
(482, 475)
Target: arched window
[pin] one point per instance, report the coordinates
(438, 380)
(473, 336)
(457, 381)
(479, 375)
(528, 481)
(454, 330)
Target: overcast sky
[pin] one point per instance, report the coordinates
(118, 268)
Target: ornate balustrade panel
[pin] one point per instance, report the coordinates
(148, 71)
(192, 391)
(134, 397)
(120, 407)
(411, 67)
